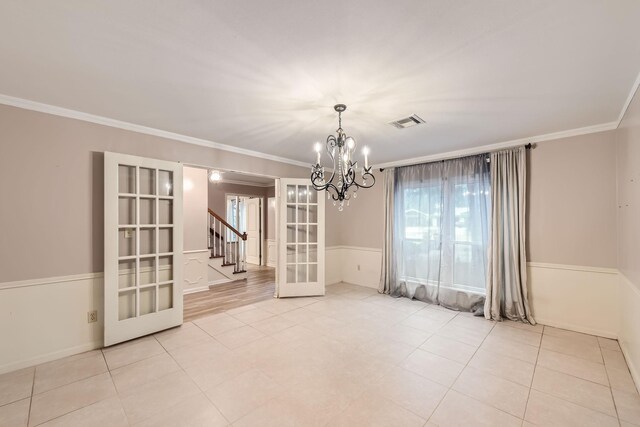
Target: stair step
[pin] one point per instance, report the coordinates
(226, 264)
(241, 271)
(216, 256)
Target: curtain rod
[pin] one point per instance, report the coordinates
(528, 146)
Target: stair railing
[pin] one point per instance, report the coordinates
(226, 242)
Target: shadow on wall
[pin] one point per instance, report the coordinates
(97, 211)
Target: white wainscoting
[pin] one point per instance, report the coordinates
(582, 299)
(46, 319)
(196, 271)
(629, 334)
(353, 264)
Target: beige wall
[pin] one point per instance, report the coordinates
(51, 182)
(195, 209)
(572, 205)
(628, 181)
(572, 201)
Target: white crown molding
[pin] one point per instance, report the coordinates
(250, 184)
(501, 145)
(86, 117)
(632, 93)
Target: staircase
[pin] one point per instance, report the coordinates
(227, 260)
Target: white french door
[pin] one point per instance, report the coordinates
(253, 210)
(142, 246)
(300, 239)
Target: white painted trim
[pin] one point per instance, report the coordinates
(501, 145)
(195, 290)
(49, 357)
(635, 374)
(106, 121)
(248, 184)
(576, 328)
(50, 280)
(195, 251)
(632, 93)
(218, 282)
(573, 268)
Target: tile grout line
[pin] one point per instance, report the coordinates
(533, 375)
(188, 376)
(33, 386)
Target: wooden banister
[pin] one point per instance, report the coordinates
(243, 236)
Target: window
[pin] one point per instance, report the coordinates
(442, 225)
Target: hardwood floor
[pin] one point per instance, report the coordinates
(259, 286)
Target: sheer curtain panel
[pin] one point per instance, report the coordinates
(441, 232)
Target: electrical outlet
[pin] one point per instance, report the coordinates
(92, 316)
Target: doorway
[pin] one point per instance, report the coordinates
(246, 213)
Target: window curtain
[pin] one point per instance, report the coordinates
(441, 233)
(387, 272)
(507, 267)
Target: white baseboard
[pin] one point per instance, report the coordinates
(218, 282)
(353, 264)
(48, 357)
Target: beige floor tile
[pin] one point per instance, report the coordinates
(300, 315)
(457, 409)
(15, 414)
(451, 349)
(628, 406)
(131, 352)
(571, 365)
(388, 350)
(212, 372)
(422, 323)
(537, 328)
(252, 316)
(279, 306)
(239, 396)
(324, 325)
(183, 336)
(147, 400)
(516, 334)
(16, 385)
(494, 391)
(473, 322)
(614, 359)
(241, 309)
(413, 392)
(375, 411)
(215, 325)
(108, 412)
(577, 348)
(547, 410)
(143, 371)
(621, 379)
(576, 390)
(504, 367)
(504, 347)
(591, 340)
(198, 353)
(66, 371)
(62, 400)
(431, 366)
(280, 412)
(238, 337)
(626, 424)
(354, 335)
(472, 337)
(273, 325)
(406, 334)
(295, 334)
(609, 344)
(195, 411)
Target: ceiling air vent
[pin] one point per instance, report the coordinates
(407, 122)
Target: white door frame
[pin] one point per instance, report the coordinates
(162, 292)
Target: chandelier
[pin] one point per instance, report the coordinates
(341, 184)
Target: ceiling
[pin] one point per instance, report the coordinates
(264, 75)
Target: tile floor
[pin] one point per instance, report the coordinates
(351, 358)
